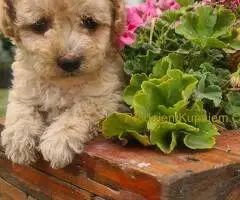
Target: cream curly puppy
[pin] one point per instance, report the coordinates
(67, 75)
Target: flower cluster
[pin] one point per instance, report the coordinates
(140, 15)
(144, 13)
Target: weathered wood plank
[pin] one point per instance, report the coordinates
(153, 175)
(9, 192)
(229, 142)
(111, 171)
(38, 184)
(198, 170)
(76, 175)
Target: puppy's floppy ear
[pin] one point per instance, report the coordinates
(7, 18)
(119, 16)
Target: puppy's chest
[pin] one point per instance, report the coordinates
(53, 97)
(55, 101)
(56, 98)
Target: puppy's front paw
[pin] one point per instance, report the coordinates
(59, 150)
(20, 150)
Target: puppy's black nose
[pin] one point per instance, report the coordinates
(69, 64)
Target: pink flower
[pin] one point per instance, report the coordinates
(142, 14)
(168, 4)
(136, 17)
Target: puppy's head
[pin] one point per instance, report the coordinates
(62, 38)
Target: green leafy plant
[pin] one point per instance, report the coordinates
(205, 26)
(163, 114)
(180, 80)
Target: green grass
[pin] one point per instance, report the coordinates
(3, 101)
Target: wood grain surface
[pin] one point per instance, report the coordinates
(107, 170)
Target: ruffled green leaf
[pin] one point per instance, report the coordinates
(196, 116)
(135, 85)
(232, 38)
(177, 61)
(165, 134)
(145, 102)
(192, 125)
(206, 25)
(210, 92)
(119, 123)
(141, 63)
(170, 90)
(175, 109)
(225, 19)
(170, 16)
(125, 126)
(235, 44)
(158, 95)
(214, 43)
(232, 108)
(143, 139)
(161, 67)
(199, 142)
(157, 121)
(233, 105)
(172, 61)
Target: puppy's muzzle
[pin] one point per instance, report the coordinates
(69, 63)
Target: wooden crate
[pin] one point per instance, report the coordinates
(106, 170)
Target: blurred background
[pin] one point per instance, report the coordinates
(6, 58)
(133, 2)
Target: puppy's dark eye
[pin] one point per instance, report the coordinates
(89, 23)
(41, 26)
